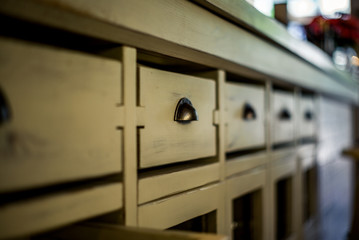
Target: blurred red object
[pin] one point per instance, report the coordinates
(344, 30)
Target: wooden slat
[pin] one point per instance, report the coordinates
(152, 188)
(64, 115)
(244, 163)
(48, 212)
(172, 211)
(243, 184)
(282, 168)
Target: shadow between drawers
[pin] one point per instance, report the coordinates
(23, 195)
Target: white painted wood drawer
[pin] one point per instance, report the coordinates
(174, 210)
(245, 117)
(283, 117)
(174, 182)
(64, 115)
(46, 212)
(164, 140)
(307, 117)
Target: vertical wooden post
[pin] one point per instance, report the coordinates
(267, 203)
(130, 136)
(298, 203)
(221, 221)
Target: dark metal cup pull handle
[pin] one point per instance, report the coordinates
(308, 115)
(5, 113)
(248, 112)
(185, 112)
(285, 114)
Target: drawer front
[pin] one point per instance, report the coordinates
(283, 118)
(164, 140)
(63, 115)
(245, 118)
(307, 117)
(50, 211)
(168, 212)
(163, 185)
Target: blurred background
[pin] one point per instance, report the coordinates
(332, 25)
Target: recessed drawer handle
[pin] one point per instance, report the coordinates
(185, 112)
(5, 113)
(308, 115)
(285, 114)
(248, 112)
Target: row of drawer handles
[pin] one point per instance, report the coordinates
(184, 113)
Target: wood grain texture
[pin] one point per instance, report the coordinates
(64, 115)
(283, 130)
(163, 140)
(243, 133)
(52, 211)
(172, 211)
(152, 188)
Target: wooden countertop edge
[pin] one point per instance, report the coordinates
(245, 14)
(49, 13)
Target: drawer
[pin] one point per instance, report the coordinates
(164, 140)
(307, 117)
(163, 185)
(245, 163)
(64, 119)
(168, 212)
(245, 118)
(283, 117)
(53, 210)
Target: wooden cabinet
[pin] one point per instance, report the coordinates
(160, 114)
